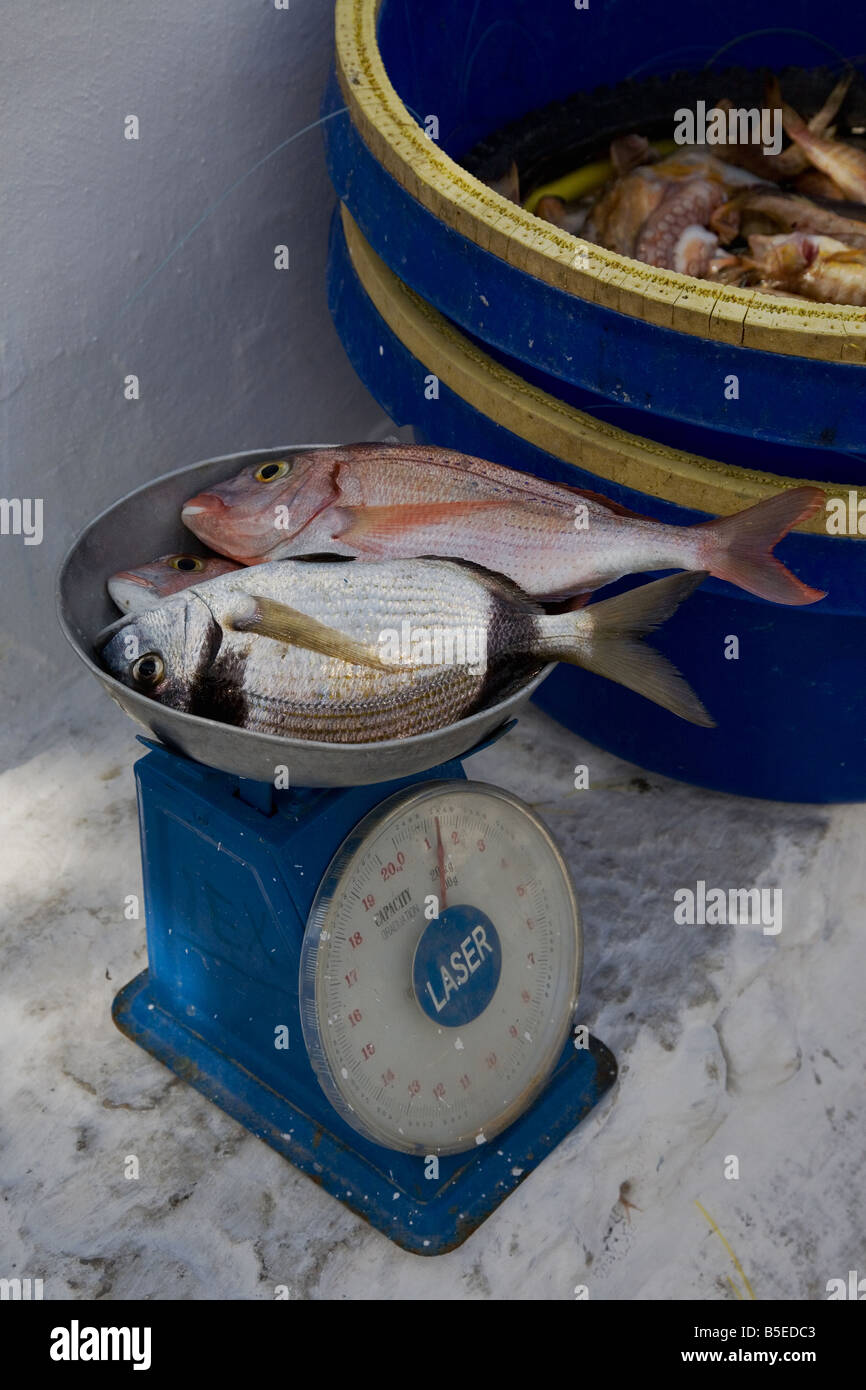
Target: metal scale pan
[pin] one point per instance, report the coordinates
(147, 523)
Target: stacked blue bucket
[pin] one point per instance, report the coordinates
(791, 709)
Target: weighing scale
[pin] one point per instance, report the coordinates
(374, 968)
(378, 981)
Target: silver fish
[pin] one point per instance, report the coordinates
(347, 653)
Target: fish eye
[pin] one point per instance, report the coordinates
(148, 669)
(186, 562)
(269, 472)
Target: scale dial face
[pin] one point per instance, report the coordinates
(431, 1033)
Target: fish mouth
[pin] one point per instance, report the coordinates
(203, 504)
(123, 588)
(101, 639)
(129, 577)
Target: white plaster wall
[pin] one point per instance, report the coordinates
(230, 353)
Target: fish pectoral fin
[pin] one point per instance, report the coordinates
(268, 618)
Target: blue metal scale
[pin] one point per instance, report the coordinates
(231, 871)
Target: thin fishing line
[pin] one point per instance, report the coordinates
(737, 1264)
(221, 199)
(763, 33)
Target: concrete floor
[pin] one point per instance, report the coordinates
(730, 1043)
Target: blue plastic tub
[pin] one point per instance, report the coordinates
(649, 343)
(791, 710)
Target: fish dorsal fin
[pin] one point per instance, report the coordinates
(603, 501)
(417, 458)
(267, 618)
(500, 585)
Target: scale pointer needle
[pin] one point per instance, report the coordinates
(441, 855)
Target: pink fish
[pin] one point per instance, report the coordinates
(816, 267)
(759, 210)
(844, 164)
(377, 501)
(136, 590)
(792, 161)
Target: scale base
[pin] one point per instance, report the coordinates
(426, 1216)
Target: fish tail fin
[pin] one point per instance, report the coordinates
(605, 638)
(740, 546)
(822, 119)
(819, 123)
(811, 138)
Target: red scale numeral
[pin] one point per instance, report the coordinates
(390, 869)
